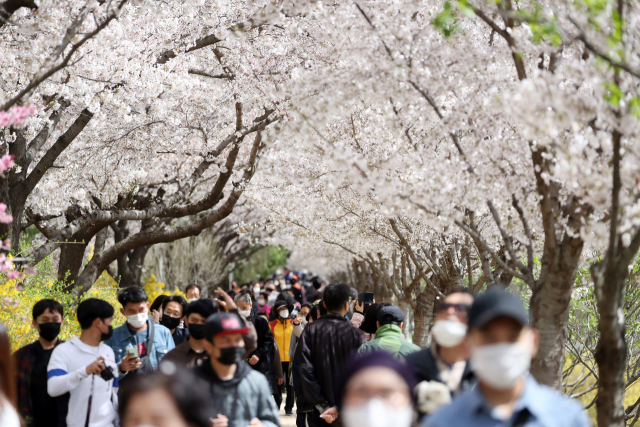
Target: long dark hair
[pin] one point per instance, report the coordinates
(369, 324)
(7, 379)
(190, 394)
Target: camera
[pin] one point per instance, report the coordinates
(107, 374)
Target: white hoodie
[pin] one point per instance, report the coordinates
(67, 373)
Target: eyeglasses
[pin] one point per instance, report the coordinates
(459, 308)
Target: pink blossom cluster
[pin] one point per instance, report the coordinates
(6, 265)
(6, 162)
(4, 217)
(16, 115)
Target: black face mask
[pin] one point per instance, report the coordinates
(231, 355)
(196, 331)
(49, 331)
(170, 322)
(106, 336)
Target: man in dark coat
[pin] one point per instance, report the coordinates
(261, 358)
(36, 407)
(324, 348)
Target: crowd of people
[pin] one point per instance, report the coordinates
(227, 360)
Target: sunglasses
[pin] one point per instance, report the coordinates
(459, 308)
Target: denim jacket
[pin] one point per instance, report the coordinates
(123, 339)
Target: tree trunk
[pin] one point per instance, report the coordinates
(405, 306)
(549, 310)
(71, 258)
(611, 351)
(423, 316)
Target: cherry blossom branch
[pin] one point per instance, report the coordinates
(9, 7)
(480, 240)
(44, 75)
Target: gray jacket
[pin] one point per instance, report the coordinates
(243, 398)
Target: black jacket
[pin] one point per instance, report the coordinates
(426, 369)
(265, 344)
(180, 335)
(323, 350)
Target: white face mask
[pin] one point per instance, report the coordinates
(500, 365)
(256, 290)
(245, 313)
(377, 413)
(138, 320)
(192, 299)
(448, 333)
(283, 313)
(261, 302)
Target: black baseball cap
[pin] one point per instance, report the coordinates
(496, 302)
(390, 314)
(222, 324)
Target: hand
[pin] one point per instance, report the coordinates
(229, 303)
(255, 422)
(219, 421)
(96, 367)
(297, 320)
(130, 363)
(359, 307)
(330, 415)
(254, 359)
(156, 315)
(280, 381)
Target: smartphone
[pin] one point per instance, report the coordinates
(365, 298)
(133, 352)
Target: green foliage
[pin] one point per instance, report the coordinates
(261, 264)
(446, 20)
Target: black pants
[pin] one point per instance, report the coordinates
(288, 406)
(314, 420)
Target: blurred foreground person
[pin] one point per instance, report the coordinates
(374, 390)
(8, 415)
(442, 369)
(85, 368)
(502, 345)
(171, 397)
(240, 396)
(388, 336)
(36, 407)
(324, 348)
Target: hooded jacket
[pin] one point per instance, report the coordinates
(324, 348)
(246, 396)
(389, 338)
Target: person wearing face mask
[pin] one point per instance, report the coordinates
(282, 329)
(173, 309)
(191, 352)
(374, 390)
(263, 305)
(446, 360)
(389, 334)
(140, 344)
(260, 359)
(240, 396)
(36, 407)
(86, 369)
(501, 344)
(193, 292)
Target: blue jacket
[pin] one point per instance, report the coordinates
(123, 339)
